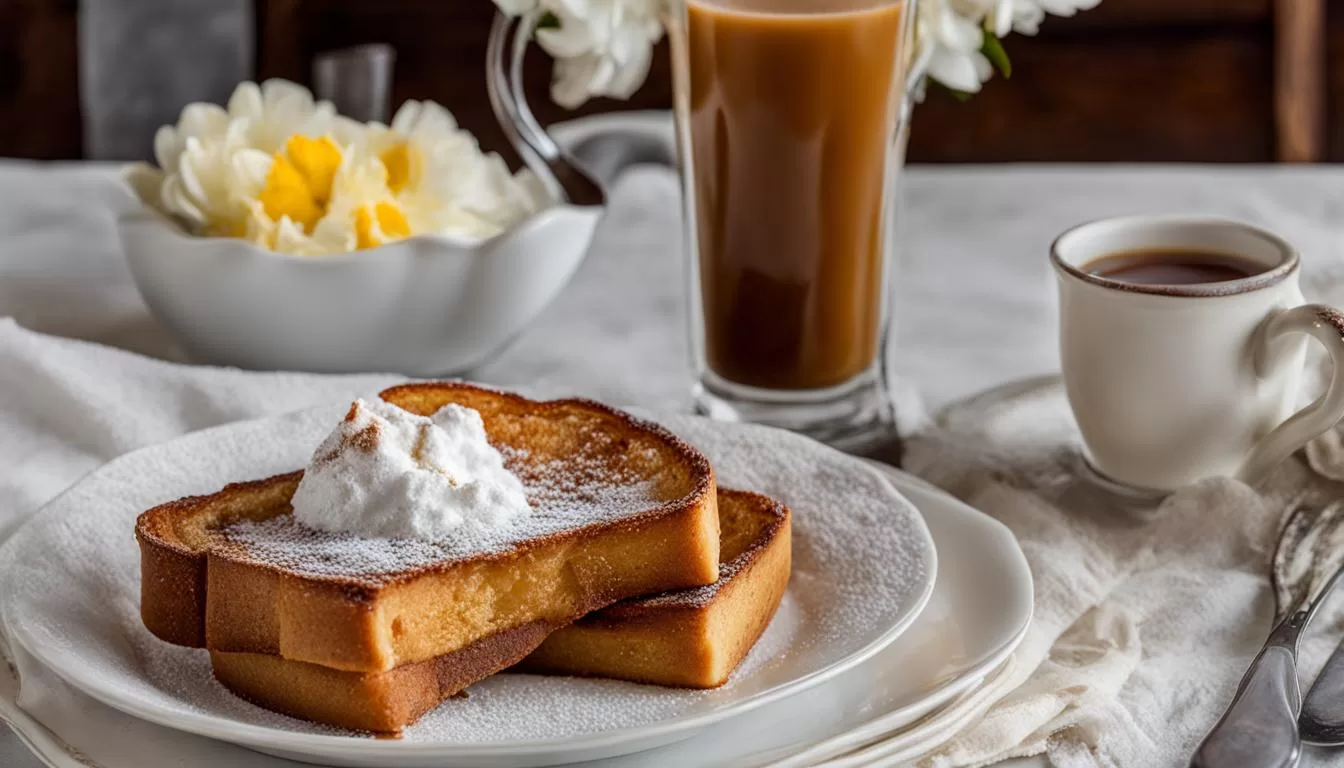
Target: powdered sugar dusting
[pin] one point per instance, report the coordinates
(581, 487)
(564, 494)
(703, 596)
(700, 596)
(284, 542)
(856, 543)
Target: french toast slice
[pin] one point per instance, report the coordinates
(691, 638)
(622, 508)
(380, 702)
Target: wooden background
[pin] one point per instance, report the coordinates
(1132, 80)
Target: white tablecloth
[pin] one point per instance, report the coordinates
(974, 306)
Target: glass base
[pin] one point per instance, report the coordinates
(855, 417)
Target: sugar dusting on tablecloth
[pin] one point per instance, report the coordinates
(859, 563)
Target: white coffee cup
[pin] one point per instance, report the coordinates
(1171, 384)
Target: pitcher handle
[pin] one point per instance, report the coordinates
(1326, 325)
(921, 52)
(528, 140)
(504, 55)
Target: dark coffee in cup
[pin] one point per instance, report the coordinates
(1168, 266)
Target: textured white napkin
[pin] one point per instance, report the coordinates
(66, 407)
(1145, 618)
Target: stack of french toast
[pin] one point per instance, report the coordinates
(632, 565)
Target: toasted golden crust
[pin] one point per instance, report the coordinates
(691, 638)
(173, 539)
(694, 637)
(200, 588)
(381, 702)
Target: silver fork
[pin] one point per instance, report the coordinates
(1259, 728)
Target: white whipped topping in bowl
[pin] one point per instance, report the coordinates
(387, 472)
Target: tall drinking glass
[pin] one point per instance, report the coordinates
(791, 118)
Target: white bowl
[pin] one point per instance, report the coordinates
(424, 306)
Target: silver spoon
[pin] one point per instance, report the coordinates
(1322, 720)
(504, 83)
(1259, 728)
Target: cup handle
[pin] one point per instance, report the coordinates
(1326, 324)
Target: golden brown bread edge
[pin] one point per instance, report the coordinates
(381, 702)
(692, 638)
(688, 638)
(196, 594)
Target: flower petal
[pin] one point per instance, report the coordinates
(146, 182)
(168, 146)
(278, 93)
(516, 7)
(246, 101)
(408, 114)
(955, 69)
(176, 202)
(250, 168)
(202, 120)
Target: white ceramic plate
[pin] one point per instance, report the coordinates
(982, 601)
(864, 568)
(981, 606)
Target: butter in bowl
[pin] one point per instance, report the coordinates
(276, 234)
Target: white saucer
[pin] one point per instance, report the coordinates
(859, 581)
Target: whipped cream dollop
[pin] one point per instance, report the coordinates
(387, 472)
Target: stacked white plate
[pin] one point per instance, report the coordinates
(903, 602)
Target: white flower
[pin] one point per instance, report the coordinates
(1025, 16)
(363, 211)
(288, 174)
(950, 33)
(277, 110)
(443, 181)
(601, 47)
(604, 47)
(951, 42)
(214, 159)
(203, 183)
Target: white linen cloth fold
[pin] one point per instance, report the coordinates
(1146, 616)
(67, 407)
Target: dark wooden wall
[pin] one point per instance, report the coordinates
(1132, 80)
(1162, 80)
(39, 80)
